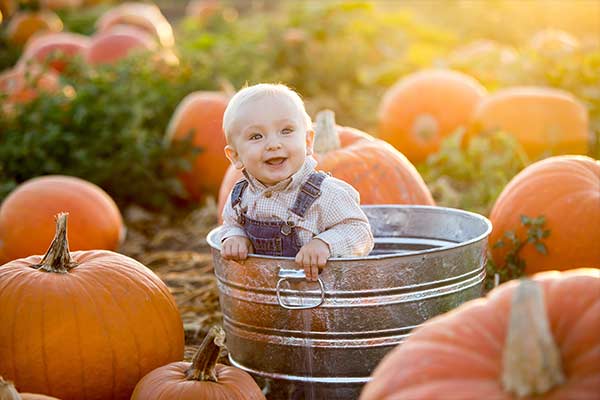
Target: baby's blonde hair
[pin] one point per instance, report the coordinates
(255, 92)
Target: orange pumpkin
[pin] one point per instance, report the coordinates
(8, 392)
(24, 24)
(544, 121)
(566, 191)
(145, 16)
(27, 213)
(117, 43)
(39, 48)
(380, 173)
(84, 324)
(526, 340)
(200, 114)
(203, 378)
(60, 4)
(421, 109)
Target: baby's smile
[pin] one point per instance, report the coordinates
(275, 161)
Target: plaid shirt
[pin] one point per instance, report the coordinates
(335, 217)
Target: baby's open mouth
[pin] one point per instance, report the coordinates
(276, 161)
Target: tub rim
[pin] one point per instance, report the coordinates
(217, 245)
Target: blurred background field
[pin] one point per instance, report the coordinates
(107, 122)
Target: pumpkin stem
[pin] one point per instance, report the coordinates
(531, 359)
(8, 391)
(57, 258)
(326, 136)
(205, 359)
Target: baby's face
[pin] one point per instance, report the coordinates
(269, 139)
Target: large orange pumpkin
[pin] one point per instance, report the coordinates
(27, 213)
(380, 173)
(203, 378)
(86, 324)
(117, 43)
(421, 109)
(146, 16)
(200, 114)
(41, 47)
(566, 191)
(526, 340)
(545, 121)
(24, 24)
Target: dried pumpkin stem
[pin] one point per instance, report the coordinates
(326, 136)
(8, 391)
(531, 359)
(205, 359)
(57, 258)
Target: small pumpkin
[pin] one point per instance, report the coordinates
(203, 378)
(200, 114)
(41, 47)
(532, 339)
(565, 190)
(380, 173)
(26, 216)
(22, 85)
(24, 24)
(84, 324)
(422, 108)
(8, 392)
(545, 121)
(145, 16)
(110, 46)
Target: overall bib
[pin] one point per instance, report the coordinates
(277, 238)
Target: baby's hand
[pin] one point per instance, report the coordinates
(236, 248)
(311, 256)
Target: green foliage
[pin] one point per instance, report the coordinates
(513, 266)
(471, 176)
(109, 132)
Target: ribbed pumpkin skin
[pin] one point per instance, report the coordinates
(33, 396)
(544, 121)
(201, 113)
(458, 355)
(443, 98)
(169, 383)
(566, 190)
(380, 173)
(27, 216)
(24, 24)
(91, 333)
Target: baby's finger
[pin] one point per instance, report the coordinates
(322, 260)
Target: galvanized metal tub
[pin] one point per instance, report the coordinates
(323, 339)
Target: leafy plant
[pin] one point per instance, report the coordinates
(514, 266)
(107, 126)
(471, 176)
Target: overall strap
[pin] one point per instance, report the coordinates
(237, 191)
(308, 193)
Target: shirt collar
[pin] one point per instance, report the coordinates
(295, 180)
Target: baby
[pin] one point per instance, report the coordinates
(284, 207)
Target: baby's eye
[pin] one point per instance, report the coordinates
(287, 131)
(255, 136)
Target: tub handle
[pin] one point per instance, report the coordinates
(285, 274)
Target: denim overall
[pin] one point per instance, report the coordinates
(277, 238)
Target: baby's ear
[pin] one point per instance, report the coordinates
(310, 141)
(233, 156)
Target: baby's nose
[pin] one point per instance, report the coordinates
(273, 144)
